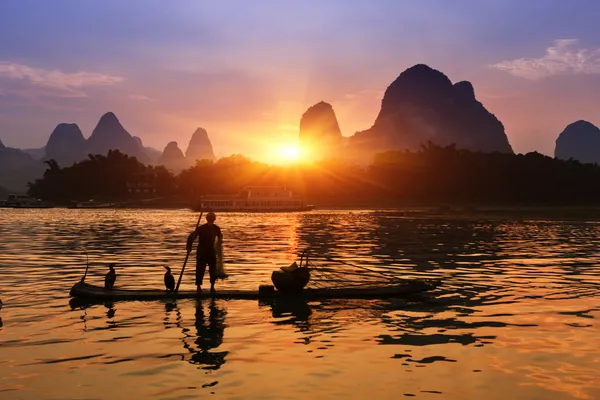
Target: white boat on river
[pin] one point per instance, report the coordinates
(256, 199)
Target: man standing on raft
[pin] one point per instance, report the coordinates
(205, 253)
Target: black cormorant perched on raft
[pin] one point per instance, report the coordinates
(169, 280)
(110, 278)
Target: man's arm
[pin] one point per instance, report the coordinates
(190, 240)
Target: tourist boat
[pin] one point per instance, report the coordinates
(93, 204)
(24, 201)
(85, 291)
(255, 199)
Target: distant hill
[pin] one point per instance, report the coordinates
(37, 154)
(66, 145)
(173, 159)
(320, 132)
(17, 168)
(152, 153)
(109, 134)
(580, 141)
(200, 147)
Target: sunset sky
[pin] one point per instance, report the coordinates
(247, 70)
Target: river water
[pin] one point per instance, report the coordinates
(516, 317)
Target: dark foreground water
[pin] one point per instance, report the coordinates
(516, 318)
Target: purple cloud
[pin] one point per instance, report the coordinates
(562, 58)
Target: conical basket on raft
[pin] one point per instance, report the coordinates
(292, 282)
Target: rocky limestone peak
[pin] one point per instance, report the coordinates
(580, 141)
(66, 144)
(2, 146)
(138, 140)
(109, 134)
(173, 158)
(423, 105)
(419, 85)
(109, 127)
(464, 91)
(200, 147)
(319, 130)
(581, 129)
(172, 151)
(109, 119)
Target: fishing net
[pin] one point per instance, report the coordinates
(220, 271)
(331, 273)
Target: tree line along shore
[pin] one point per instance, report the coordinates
(432, 176)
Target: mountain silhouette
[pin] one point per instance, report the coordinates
(151, 152)
(173, 159)
(17, 168)
(66, 145)
(319, 130)
(200, 147)
(422, 105)
(37, 153)
(109, 134)
(580, 141)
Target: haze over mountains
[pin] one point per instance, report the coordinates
(67, 145)
(422, 105)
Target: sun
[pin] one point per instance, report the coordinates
(284, 153)
(289, 153)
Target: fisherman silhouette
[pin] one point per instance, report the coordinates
(205, 253)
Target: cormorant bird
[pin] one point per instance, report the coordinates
(111, 277)
(169, 279)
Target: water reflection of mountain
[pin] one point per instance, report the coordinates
(209, 328)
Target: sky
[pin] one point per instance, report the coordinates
(247, 70)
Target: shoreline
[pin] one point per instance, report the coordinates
(553, 212)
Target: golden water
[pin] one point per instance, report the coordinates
(516, 317)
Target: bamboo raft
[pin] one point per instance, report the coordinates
(404, 288)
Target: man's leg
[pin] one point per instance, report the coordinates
(212, 272)
(200, 268)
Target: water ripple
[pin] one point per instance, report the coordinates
(517, 313)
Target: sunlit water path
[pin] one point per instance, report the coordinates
(516, 317)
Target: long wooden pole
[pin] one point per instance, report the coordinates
(187, 256)
(87, 263)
